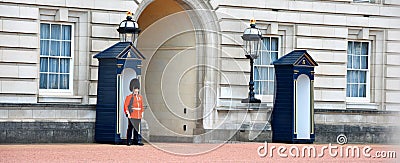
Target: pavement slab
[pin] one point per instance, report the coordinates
(187, 152)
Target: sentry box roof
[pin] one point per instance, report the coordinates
(296, 58)
(121, 50)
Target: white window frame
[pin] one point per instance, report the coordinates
(58, 92)
(269, 97)
(365, 99)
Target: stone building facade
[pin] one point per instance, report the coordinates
(195, 72)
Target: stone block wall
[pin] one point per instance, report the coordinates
(357, 134)
(46, 132)
(47, 123)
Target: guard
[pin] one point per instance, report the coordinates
(133, 108)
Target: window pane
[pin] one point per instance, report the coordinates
(264, 73)
(54, 65)
(357, 48)
(271, 73)
(56, 31)
(266, 60)
(53, 81)
(260, 58)
(354, 77)
(66, 35)
(362, 90)
(64, 65)
(264, 87)
(274, 56)
(354, 90)
(348, 90)
(256, 73)
(44, 47)
(256, 87)
(55, 48)
(274, 44)
(364, 62)
(362, 77)
(43, 81)
(350, 47)
(271, 88)
(364, 50)
(44, 64)
(348, 76)
(44, 31)
(356, 61)
(267, 43)
(66, 49)
(64, 81)
(349, 61)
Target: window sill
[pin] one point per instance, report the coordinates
(59, 99)
(265, 98)
(361, 106)
(245, 106)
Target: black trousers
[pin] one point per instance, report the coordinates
(134, 124)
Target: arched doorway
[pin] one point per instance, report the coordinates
(172, 78)
(123, 81)
(304, 107)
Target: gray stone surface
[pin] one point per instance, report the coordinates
(356, 134)
(29, 136)
(75, 136)
(3, 113)
(44, 114)
(3, 136)
(47, 112)
(46, 132)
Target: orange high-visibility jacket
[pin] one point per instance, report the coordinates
(137, 106)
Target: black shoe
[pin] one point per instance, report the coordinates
(140, 144)
(128, 143)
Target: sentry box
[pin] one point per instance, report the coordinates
(118, 65)
(293, 113)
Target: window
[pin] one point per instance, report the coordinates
(55, 57)
(357, 69)
(263, 70)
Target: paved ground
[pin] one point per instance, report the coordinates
(180, 152)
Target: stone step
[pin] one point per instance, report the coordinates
(171, 139)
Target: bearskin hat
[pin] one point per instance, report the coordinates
(134, 84)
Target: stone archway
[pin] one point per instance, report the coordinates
(179, 41)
